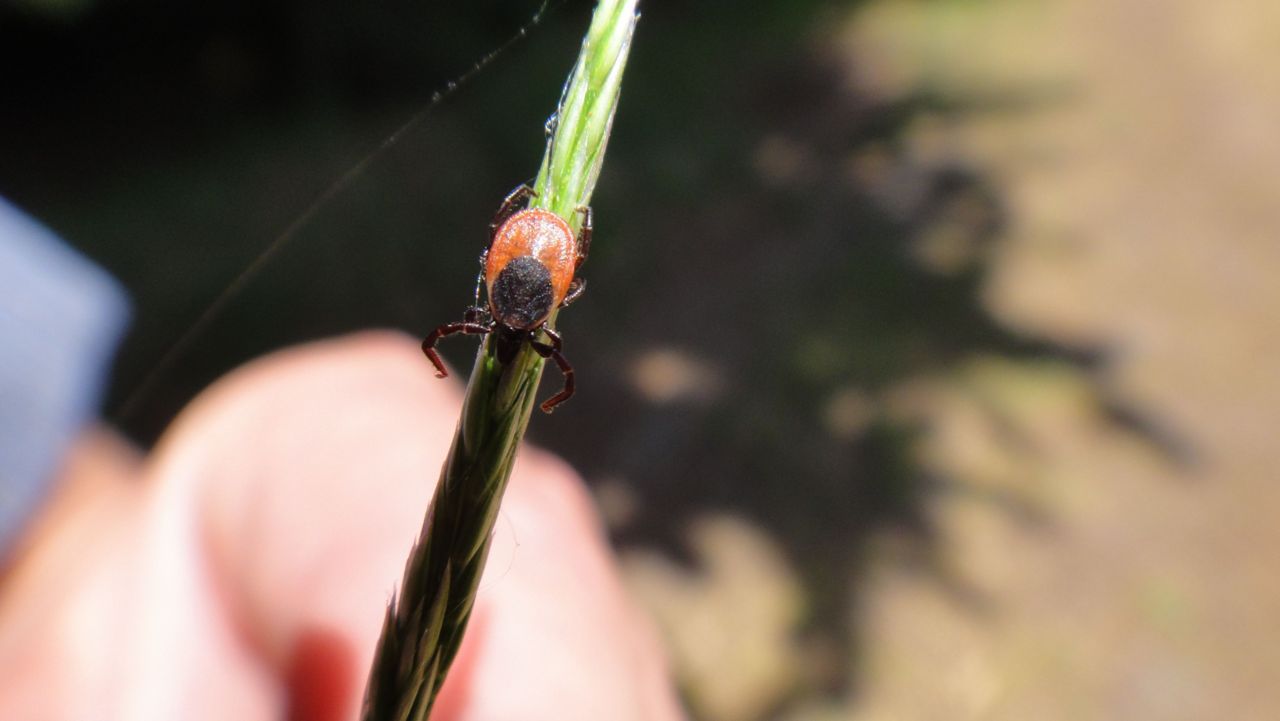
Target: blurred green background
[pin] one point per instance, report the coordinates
(926, 366)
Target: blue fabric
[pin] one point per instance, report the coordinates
(60, 320)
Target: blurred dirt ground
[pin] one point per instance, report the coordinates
(1087, 569)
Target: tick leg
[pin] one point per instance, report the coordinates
(584, 235)
(448, 329)
(514, 201)
(553, 352)
(557, 342)
(484, 258)
(575, 289)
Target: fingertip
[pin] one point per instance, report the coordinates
(311, 469)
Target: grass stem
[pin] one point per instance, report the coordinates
(424, 625)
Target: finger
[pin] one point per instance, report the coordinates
(70, 557)
(109, 617)
(559, 639)
(313, 469)
(303, 500)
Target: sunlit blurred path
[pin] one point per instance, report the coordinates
(1142, 190)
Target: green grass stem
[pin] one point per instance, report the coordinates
(424, 625)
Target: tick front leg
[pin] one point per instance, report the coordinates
(514, 201)
(557, 343)
(448, 329)
(584, 235)
(484, 260)
(575, 289)
(553, 352)
(478, 315)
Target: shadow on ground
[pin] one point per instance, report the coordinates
(788, 299)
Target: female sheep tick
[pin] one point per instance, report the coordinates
(527, 270)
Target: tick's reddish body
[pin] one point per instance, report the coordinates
(539, 234)
(528, 271)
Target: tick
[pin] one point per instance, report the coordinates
(528, 270)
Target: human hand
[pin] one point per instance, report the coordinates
(242, 570)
